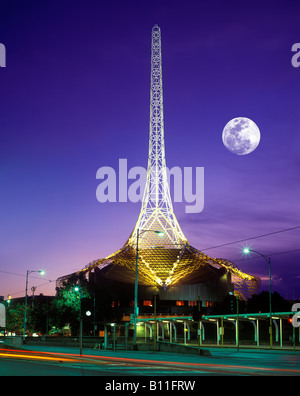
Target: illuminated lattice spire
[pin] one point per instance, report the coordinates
(157, 209)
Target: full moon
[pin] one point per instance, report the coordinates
(241, 136)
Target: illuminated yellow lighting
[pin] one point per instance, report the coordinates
(9, 355)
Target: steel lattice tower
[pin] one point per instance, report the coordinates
(157, 209)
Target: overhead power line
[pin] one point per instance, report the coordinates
(24, 276)
(22, 291)
(254, 237)
(268, 255)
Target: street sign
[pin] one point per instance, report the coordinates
(2, 315)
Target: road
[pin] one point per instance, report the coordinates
(63, 362)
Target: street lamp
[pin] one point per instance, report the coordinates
(135, 315)
(77, 290)
(247, 250)
(41, 272)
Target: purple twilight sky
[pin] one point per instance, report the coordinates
(75, 97)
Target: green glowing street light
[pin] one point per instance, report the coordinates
(77, 289)
(247, 250)
(160, 233)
